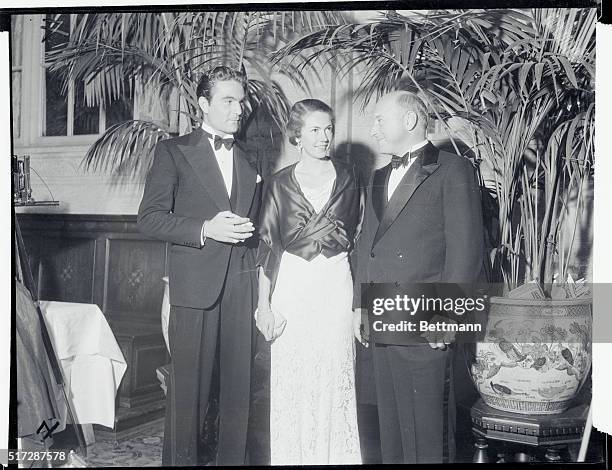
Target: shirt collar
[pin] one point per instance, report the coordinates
(214, 132)
(418, 146)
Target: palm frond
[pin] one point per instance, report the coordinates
(125, 149)
(512, 77)
(167, 52)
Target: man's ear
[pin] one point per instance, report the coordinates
(410, 120)
(204, 104)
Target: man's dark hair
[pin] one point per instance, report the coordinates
(219, 74)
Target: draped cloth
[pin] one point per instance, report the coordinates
(289, 222)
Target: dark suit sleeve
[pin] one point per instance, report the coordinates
(463, 227)
(356, 277)
(155, 216)
(355, 254)
(362, 200)
(252, 242)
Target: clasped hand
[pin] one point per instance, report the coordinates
(270, 324)
(440, 339)
(358, 326)
(228, 227)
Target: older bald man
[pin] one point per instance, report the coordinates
(423, 224)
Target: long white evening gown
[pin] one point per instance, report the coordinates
(313, 417)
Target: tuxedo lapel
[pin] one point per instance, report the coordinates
(422, 168)
(379, 190)
(246, 179)
(201, 157)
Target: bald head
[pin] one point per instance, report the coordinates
(400, 121)
(411, 102)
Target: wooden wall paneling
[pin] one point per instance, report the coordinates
(147, 359)
(99, 271)
(144, 350)
(32, 245)
(134, 272)
(125, 343)
(67, 269)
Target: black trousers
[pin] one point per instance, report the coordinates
(198, 339)
(416, 405)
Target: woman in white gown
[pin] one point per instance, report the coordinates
(310, 218)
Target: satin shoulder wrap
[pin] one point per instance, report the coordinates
(288, 222)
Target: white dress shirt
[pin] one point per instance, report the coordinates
(225, 157)
(225, 160)
(398, 173)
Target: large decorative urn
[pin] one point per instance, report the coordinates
(536, 354)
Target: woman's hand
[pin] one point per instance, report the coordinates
(357, 327)
(279, 325)
(264, 320)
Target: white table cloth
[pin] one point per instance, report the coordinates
(91, 359)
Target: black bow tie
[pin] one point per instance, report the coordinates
(228, 142)
(397, 161)
(218, 141)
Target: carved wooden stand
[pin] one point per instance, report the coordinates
(551, 432)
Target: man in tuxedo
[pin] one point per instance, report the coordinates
(422, 224)
(201, 196)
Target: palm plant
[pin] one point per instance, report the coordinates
(516, 86)
(166, 53)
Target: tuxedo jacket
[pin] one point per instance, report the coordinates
(184, 187)
(430, 231)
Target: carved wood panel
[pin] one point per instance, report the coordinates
(32, 247)
(66, 269)
(134, 272)
(149, 358)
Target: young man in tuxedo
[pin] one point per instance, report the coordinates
(201, 196)
(422, 224)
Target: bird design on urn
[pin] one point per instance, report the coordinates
(511, 351)
(503, 390)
